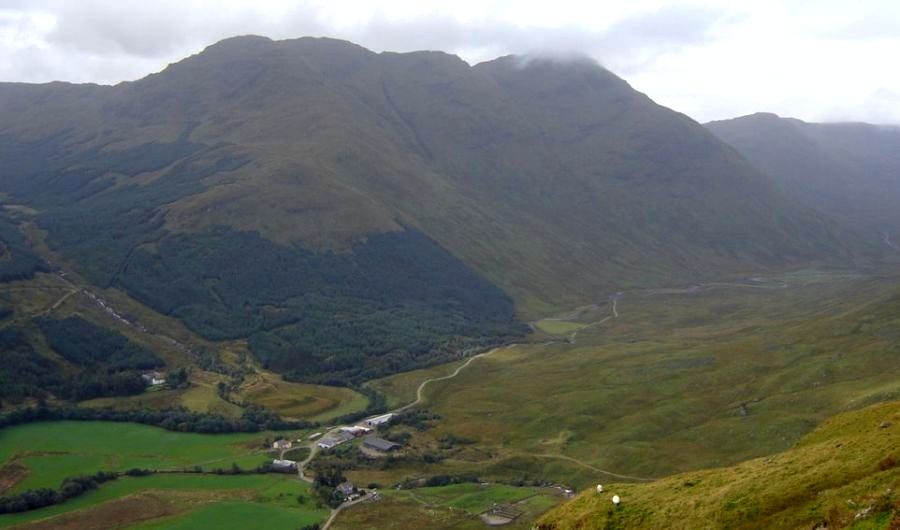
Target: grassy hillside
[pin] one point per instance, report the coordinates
(269, 189)
(681, 379)
(455, 507)
(850, 171)
(43, 455)
(842, 475)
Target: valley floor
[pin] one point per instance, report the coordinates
(641, 385)
(685, 378)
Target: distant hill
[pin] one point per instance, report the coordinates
(842, 475)
(354, 214)
(851, 171)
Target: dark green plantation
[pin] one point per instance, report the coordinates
(321, 313)
(90, 346)
(102, 362)
(23, 372)
(401, 299)
(17, 260)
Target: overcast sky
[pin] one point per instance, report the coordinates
(821, 60)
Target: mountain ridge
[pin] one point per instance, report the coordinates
(553, 181)
(850, 170)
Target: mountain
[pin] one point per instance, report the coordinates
(851, 171)
(352, 213)
(842, 475)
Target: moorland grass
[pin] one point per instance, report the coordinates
(681, 380)
(473, 498)
(298, 400)
(453, 507)
(558, 327)
(276, 505)
(401, 389)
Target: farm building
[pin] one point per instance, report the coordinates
(379, 420)
(333, 440)
(281, 444)
(346, 489)
(154, 378)
(284, 465)
(356, 430)
(380, 444)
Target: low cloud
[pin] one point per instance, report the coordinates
(104, 28)
(705, 57)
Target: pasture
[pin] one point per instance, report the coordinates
(183, 501)
(298, 400)
(52, 451)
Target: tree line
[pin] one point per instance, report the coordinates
(253, 419)
(40, 498)
(111, 365)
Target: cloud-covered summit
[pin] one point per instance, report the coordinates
(708, 58)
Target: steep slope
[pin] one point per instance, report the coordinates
(842, 475)
(851, 171)
(355, 213)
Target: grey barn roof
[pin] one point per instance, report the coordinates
(380, 444)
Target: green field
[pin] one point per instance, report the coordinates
(683, 379)
(264, 488)
(298, 400)
(238, 516)
(558, 327)
(55, 450)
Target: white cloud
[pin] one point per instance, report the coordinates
(824, 59)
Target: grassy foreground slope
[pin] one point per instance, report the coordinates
(842, 475)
